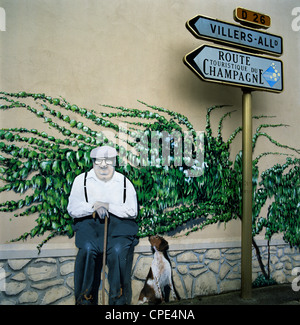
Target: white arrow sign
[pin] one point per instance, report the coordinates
(232, 34)
(236, 68)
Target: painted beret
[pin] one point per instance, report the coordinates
(104, 152)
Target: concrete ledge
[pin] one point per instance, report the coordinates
(16, 251)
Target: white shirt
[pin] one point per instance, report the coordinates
(110, 192)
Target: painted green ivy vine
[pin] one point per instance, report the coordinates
(46, 165)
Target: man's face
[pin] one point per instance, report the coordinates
(104, 168)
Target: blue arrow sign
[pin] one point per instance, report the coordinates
(236, 68)
(232, 34)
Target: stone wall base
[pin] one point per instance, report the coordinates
(50, 280)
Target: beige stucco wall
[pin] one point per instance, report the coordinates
(117, 51)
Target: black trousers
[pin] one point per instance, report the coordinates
(120, 247)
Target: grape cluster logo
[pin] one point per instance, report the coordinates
(272, 75)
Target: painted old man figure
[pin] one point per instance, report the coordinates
(105, 191)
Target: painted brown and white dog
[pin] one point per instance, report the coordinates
(159, 282)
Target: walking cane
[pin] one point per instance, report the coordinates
(104, 258)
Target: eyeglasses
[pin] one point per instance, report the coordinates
(107, 161)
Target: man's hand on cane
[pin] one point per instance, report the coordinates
(101, 208)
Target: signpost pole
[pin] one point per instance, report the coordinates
(246, 263)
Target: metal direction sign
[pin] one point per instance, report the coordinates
(236, 68)
(232, 34)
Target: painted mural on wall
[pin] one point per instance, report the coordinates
(172, 188)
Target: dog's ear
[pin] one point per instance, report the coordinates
(163, 245)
